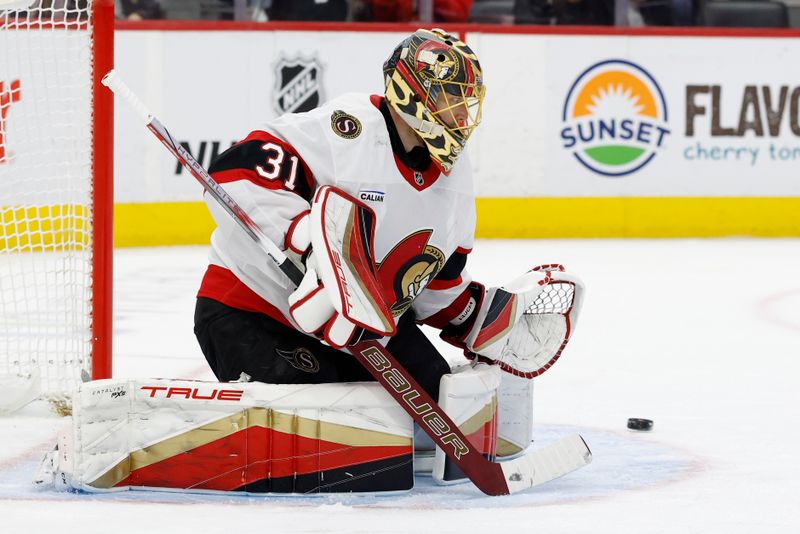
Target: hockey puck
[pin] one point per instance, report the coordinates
(642, 425)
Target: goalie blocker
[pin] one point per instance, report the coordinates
(260, 438)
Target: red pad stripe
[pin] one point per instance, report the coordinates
(503, 322)
(485, 438)
(253, 454)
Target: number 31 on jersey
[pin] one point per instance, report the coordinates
(276, 157)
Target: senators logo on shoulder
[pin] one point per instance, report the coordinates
(345, 125)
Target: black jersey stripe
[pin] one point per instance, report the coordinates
(453, 267)
(255, 153)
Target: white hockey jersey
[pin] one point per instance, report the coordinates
(425, 221)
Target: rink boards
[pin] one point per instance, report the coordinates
(584, 134)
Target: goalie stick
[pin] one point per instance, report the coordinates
(492, 478)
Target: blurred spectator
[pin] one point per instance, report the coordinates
(307, 10)
(138, 9)
(583, 12)
(451, 10)
(533, 12)
(407, 10)
(684, 12)
(383, 11)
(662, 12)
(572, 12)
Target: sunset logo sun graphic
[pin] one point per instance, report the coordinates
(614, 118)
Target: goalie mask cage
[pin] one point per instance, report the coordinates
(56, 196)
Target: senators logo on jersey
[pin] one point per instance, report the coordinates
(345, 125)
(408, 268)
(300, 358)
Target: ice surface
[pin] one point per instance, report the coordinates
(703, 336)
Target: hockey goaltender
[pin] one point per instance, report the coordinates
(373, 198)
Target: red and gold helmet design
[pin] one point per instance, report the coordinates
(435, 83)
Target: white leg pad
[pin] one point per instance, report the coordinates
(515, 416)
(244, 437)
(514, 423)
(469, 397)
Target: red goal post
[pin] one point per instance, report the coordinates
(56, 197)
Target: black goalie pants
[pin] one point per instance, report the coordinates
(236, 341)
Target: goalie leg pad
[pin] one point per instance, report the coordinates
(469, 397)
(493, 409)
(515, 415)
(243, 437)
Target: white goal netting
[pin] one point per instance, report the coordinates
(45, 199)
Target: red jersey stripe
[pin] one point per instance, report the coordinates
(221, 285)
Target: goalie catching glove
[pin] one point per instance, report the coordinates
(522, 326)
(340, 297)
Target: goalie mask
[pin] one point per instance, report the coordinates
(435, 83)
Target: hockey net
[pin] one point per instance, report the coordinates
(55, 197)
